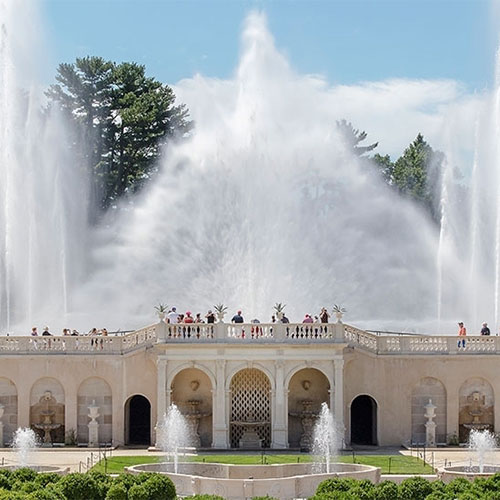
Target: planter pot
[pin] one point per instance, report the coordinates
(161, 316)
(220, 317)
(339, 316)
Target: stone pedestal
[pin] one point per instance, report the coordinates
(93, 425)
(250, 439)
(430, 426)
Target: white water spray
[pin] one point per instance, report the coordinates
(24, 443)
(173, 434)
(481, 443)
(325, 439)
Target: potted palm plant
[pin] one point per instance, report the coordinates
(339, 311)
(220, 312)
(161, 309)
(280, 310)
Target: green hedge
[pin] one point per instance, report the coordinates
(25, 484)
(415, 488)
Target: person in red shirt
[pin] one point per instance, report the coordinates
(188, 318)
(462, 332)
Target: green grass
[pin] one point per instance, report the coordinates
(390, 464)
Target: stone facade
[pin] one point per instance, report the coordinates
(272, 378)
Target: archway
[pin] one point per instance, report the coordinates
(250, 402)
(307, 389)
(192, 393)
(138, 420)
(364, 421)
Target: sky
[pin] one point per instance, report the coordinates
(344, 41)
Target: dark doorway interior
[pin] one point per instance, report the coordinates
(138, 418)
(364, 421)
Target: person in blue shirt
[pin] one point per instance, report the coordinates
(237, 318)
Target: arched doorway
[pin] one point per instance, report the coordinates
(364, 421)
(138, 420)
(250, 403)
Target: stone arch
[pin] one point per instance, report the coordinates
(307, 389)
(303, 366)
(476, 403)
(47, 405)
(206, 371)
(192, 393)
(428, 388)
(8, 399)
(137, 420)
(364, 416)
(250, 402)
(95, 390)
(242, 366)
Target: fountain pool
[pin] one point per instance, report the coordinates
(247, 481)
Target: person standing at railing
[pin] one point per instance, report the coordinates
(485, 330)
(323, 315)
(462, 332)
(210, 317)
(34, 332)
(237, 318)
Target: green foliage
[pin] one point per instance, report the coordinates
(47, 478)
(138, 492)
(117, 491)
(122, 121)
(386, 490)
(24, 474)
(353, 137)
(5, 481)
(48, 493)
(11, 495)
(267, 497)
(160, 487)
(330, 485)
(415, 488)
(80, 487)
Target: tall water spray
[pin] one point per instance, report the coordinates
(24, 443)
(325, 439)
(173, 434)
(265, 202)
(43, 200)
(480, 443)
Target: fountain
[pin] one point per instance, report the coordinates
(325, 439)
(193, 417)
(172, 434)
(25, 442)
(250, 438)
(480, 443)
(307, 419)
(47, 426)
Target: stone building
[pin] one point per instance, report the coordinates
(249, 385)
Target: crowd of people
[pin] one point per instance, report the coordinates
(173, 317)
(68, 332)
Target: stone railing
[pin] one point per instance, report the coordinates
(252, 333)
(79, 344)
(415, 344)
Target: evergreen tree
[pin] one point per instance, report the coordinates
(123, 119)
(353, 137)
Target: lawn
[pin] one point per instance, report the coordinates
(390, 464)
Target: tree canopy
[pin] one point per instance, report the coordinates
(123, 120)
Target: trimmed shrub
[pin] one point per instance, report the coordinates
(415, 488)
(127, 480)
(24, 475)
(78, 486)
(11, 495)
(47, 478)
(386, 490)
(138, 492)
(117, 492)
(331, 485)
(46, 493)
(335, 495)
(160, 487)
(458, 485)
(5, 482)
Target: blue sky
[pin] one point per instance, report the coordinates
(345, 41)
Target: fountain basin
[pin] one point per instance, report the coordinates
(38, 468)
(246, 481)
(448, 474)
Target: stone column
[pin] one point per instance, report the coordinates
(219, 404)
(1, 425)
(279, 429)
(161, 394)
(338, 396)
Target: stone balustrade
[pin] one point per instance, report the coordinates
(250, 333)
(79, 344)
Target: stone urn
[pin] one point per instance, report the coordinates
(339, 315)
(161, 316)
(220, 316)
